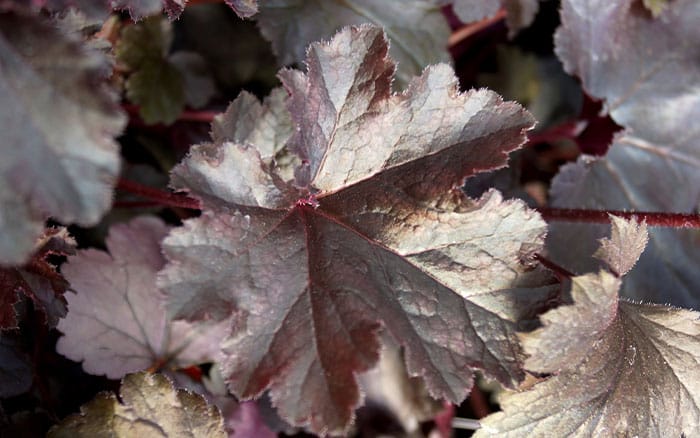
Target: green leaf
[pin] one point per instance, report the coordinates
(155, 84)
(150, 407)
(157, 87)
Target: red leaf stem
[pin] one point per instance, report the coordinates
(478, 403)
(161, 197)
(653, 219)
(202, 116)
(468, 30)
(560, 272)
(199, 116)
(566, 130)
(443, 419)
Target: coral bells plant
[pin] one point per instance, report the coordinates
(364, 242)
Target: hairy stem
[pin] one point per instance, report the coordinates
(566, 130)
(159, 196)
(560, 272)
(654, 219)
(468, 30)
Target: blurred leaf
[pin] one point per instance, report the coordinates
(538, 83)
(59, 157)
(646, 69)
(416, 29)
(198, 84)
(154, 83)
(150, 407)
(655, 6)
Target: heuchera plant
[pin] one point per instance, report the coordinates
(362, 233)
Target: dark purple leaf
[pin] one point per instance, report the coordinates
(38, 280)
(15, 368)
(370, 234)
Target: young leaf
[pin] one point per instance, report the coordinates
(150, 407)
(154, 83)
(367, 235)
(646, 71)
(116, 321)
(416, 28)
(37, 279)
(58, 121)
(625, 245)
(620, 368)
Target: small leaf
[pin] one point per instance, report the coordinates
(62, 113)
(150, 407)
(369, 233)
(625, 245)
(116, 321)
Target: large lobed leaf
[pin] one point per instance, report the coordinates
(416, 28)
(620, 368)
(647, 72)
(355, 225)
(116, 322)
(59, 157)
(150, 407)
